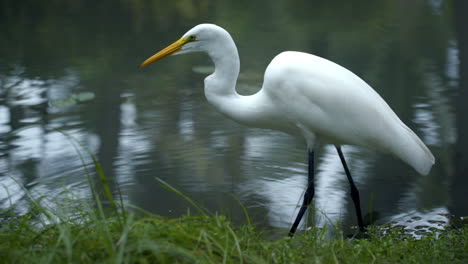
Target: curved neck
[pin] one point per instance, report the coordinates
(222, 83)
(227, 65)
(220, 88)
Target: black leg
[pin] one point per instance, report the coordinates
(309, 194)
(354, 190)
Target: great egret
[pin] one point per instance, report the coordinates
(304, 95)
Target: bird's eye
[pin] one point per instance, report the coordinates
(192, 38)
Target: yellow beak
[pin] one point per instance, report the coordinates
(169, 50)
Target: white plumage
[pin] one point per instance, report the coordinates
(303, 95)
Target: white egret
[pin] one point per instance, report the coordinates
(304, 95)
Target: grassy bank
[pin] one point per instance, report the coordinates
(76, 231)
(84, 234)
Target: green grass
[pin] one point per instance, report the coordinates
(83, 234)
(77, 231)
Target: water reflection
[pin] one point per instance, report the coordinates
(157, 123)
(333, 195)
(36, 159)
(420, 222)
(281, 188)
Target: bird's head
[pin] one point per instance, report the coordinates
(201, 38)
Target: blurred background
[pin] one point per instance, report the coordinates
(72, 65)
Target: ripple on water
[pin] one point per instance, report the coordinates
(420, 223)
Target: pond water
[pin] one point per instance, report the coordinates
(71, 66)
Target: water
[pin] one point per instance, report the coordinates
(73, 66)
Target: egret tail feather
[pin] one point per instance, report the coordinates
(414, 152)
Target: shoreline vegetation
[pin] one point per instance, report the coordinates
(85, 232)
(105, 230)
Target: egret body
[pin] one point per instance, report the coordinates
(306, 96)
